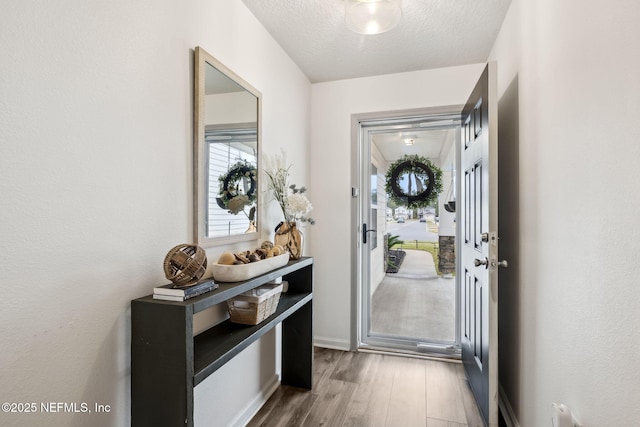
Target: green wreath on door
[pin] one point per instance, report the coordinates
(238, 189)
(423, 182)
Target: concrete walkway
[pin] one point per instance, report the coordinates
(415, 302)
(416, 265)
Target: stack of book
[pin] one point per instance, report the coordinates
(173, 292)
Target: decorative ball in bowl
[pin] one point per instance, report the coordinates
(185, 264)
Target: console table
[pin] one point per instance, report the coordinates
(167, 361)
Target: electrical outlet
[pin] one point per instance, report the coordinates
(562, 416)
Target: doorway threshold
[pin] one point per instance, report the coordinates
(446, 354)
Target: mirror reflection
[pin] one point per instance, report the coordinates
(227, 154)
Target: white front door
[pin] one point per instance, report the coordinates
(478, 266)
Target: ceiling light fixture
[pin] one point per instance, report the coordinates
(409, 141)
(372, 16)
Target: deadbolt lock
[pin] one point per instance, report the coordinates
(489, 237)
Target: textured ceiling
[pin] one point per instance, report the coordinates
(431, 34)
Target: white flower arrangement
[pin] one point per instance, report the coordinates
(294, 204)
(298, 205)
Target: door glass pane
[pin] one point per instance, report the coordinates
(373, 219)
(410, 296)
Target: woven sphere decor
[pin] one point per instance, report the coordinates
(185, 264)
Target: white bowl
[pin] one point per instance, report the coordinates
(237, 273)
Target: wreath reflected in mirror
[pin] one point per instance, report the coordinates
(413, 181)
(237, 189)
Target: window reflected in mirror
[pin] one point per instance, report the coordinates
(232, 181)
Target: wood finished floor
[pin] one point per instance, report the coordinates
(374, 390)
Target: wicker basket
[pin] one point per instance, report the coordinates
(251, 308)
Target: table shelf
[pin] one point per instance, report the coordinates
(167, 361)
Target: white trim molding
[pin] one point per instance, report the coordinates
(252, 408)
(505, 408)
(332, 343)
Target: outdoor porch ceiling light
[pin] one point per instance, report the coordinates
(372, 16)
(409, 141)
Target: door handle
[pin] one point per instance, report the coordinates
(478, 262)
(364, 233)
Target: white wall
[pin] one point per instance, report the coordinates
(95, 164)
(378, 267)
(226, 108)
(569, 71)
(333, 103)
(447, 225)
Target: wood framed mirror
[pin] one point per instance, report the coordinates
(227, 134)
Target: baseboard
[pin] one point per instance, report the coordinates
(332, 343)
(252, 408)
(505, 408)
